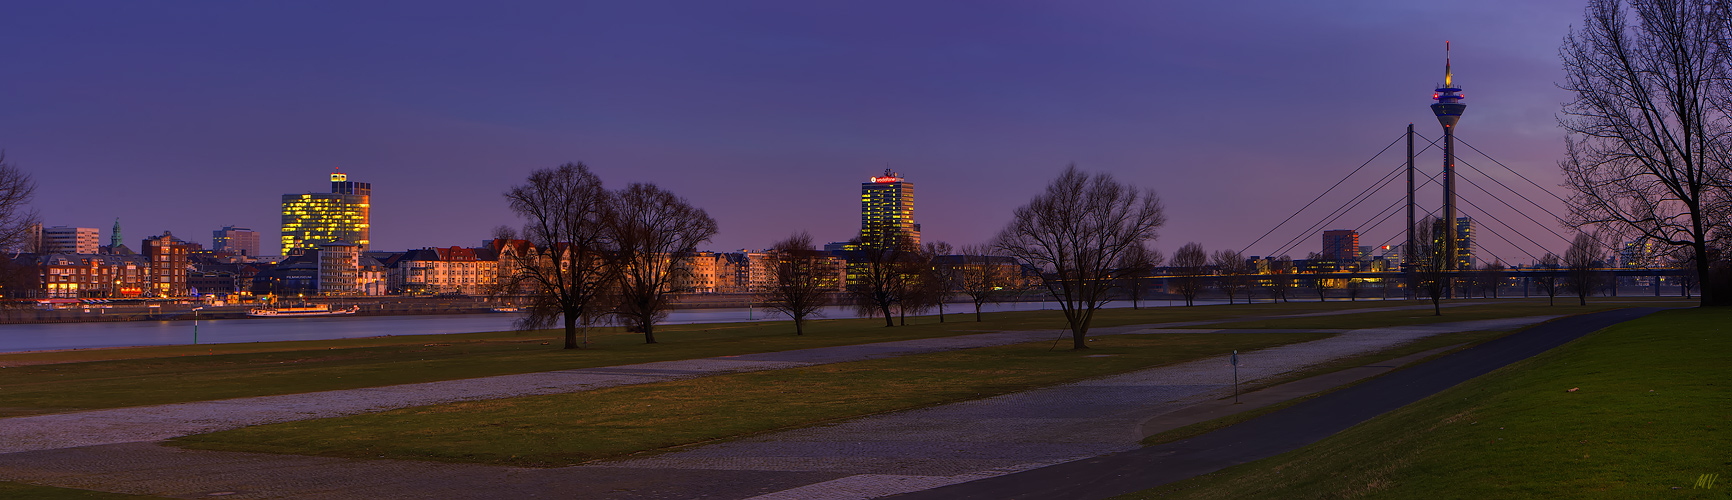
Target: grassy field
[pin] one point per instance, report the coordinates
(50, 382)
(21, 491)
(565, 429)
(1462, 311)
(1650, 415)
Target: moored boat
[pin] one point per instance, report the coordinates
(296, 311)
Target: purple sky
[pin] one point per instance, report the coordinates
(187, 116)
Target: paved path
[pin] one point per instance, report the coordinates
(864, 458)
(1280, 431)
(158, 422)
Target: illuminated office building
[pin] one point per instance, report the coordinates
(1464, 243)
(887, 210)
(341, 215)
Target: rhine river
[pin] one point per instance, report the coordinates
(50, 336)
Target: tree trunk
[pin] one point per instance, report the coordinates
(1436, 306)
(570, 330)
(977, 312)
(649, 331)
(799, 325)
(1076, 339)
(889, 321)
(941, 311)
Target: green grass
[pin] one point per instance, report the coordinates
(21, 491)
(564, 429)
(1472, 310)
(1651, 414)
(1461, 340)
(61, 381)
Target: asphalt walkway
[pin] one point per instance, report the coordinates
(864, 458)
(1277, 432)
(158, 422)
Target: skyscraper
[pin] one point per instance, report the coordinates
(887, 210)
(1464, 243)
(314, 218)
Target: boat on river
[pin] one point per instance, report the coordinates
(298, 311)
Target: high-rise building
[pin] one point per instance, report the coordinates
(168, 257)
(887, 210)
(236, 240)
(339, 268)
(1464, 243)
(62, 239)
(1341, 245)
(314, 218)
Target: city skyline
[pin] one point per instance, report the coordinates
(232, 106)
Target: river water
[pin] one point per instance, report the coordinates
(49, 336)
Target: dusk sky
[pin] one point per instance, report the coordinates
(187, 116)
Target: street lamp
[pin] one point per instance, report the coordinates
(195, 311)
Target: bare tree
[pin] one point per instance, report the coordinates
(1648, 147)
(1230, 267)
(1490, 279)
(1190, 262)
(563, 208)
(942, 276)
(1281, 277)
(1579, 261)
(877, 273)
(1548, 282)
(1683, 260)
(1134, 269)
(17, 221)
(987, 277)
(1076, 233)
(654, 233)
(1430, 260)
(1321, 283)
(800, 280)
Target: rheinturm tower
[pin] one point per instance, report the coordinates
(1448, 110)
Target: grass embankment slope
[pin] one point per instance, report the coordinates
(1650, 416)
(23, 491)
(565, 429)
(51, 382)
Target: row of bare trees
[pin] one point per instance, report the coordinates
(600, 252)
(890, 279)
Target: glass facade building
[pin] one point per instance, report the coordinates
(1464, 258)
(341, 215)
(887, 209)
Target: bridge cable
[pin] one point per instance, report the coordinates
(1505, 240)
(1505, 224)
(1519, 212)
(1326, 191)
(1342, 210)
(1346, 206)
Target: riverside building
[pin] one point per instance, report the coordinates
(315, 218)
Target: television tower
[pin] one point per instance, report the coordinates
(1448, 110)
